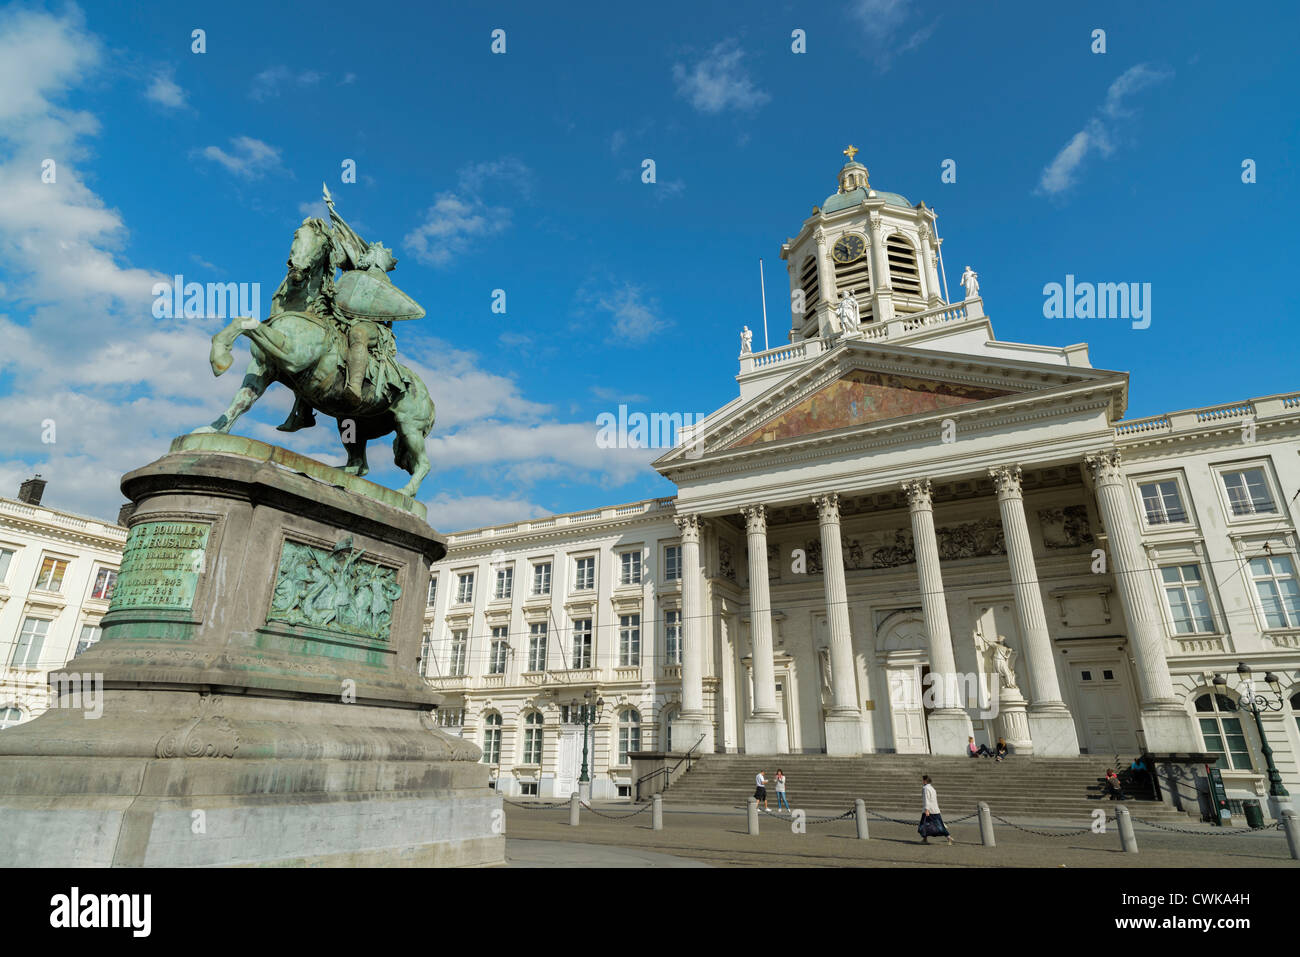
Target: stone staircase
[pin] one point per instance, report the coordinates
(1066, 789)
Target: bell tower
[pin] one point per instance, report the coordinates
(869, 246)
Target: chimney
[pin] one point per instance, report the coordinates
(30, 491)
(125, 512)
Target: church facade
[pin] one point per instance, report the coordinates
(901, 533)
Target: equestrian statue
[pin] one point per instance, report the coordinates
(331, 342)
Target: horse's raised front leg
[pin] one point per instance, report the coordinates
(256, 379)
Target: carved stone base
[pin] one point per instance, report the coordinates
(765, 736)
(687, 729)
(1169, 729)
(950, 731)
(1012, 723)
(843, 735)
(1054, 733)
(261, 704)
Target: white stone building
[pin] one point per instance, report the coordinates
(57, 572)
(896, 498)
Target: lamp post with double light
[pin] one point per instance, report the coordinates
(588, 714)
(1256, 704)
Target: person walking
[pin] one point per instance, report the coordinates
(931, 818)
(760, 789)
(780, 791)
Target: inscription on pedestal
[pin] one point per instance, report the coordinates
(161, 565)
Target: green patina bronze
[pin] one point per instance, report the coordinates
(161, 564)
(334, 590)
(331, 342)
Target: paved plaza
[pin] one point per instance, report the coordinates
(541, 837)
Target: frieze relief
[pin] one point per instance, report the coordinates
(1066, 527)
(334, 590)
(894, 547)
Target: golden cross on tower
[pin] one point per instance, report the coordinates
(851, 152)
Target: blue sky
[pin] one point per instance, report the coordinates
(522, 172)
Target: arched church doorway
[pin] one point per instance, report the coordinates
(902, 647)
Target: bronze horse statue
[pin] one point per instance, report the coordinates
(303, 344)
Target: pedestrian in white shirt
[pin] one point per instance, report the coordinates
(780, 791)
(760, 789)
(931, 820)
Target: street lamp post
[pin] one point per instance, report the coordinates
(1256, 704)
(584, 782)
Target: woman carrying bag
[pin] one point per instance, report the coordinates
(931, 824)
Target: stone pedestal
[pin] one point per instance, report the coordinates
(688, 729)
(950, 730)
(844, 735)
(1012, 722)
(261, 704)
(764, 736)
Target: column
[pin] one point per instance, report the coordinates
(765, 730)
(949, 725)
(693, 720)
(930, 277)
(827, 318)
(881, 288)
(1051, 726)
(844, 723)
(1166, 726)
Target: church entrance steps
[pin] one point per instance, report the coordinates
(1026, 787)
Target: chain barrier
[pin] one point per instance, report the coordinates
(616, 817)
(789, 816)
(1215, 832)
(536, 805)
(1071, 832)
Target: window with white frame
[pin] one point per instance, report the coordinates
(426, 652)
(673, 637)
(500, 648)
(1162, 503)
(505, 582)
(464, 588)
(459, 651)
(433, 592)
(629, 733)
(51, 574)
(629, 640)
(582, 643)
(537, 646)
(673, 563)
(1248, 492)
(1189, 606)
(584, 573)
(629, 568)
(89, 635)
(9, 716)
(1221, 732)
(105, 579)
(533, 738)
(31, 638)
(542, 578)
(6, 558)
(1279, 594)
(450, 718)
(492, 738)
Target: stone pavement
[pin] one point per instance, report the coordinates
(717, 836)
(525, 852)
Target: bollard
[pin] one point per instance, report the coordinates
(1126, 838)
(573, 809)
(657, 813)
(753, 816)
(860, 810)
(986, 825)
(1291, 825)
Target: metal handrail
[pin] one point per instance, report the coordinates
(667, 771)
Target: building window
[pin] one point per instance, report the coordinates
(1189, 608)
(51, 576)
(533, 738)
(673, 637)
(528, 788)
(492, 738)
(629, 640)
(1248, 492)
(505, 582)
(584, 578)
(1221, 732)
(105, 579)
(27, 653)
(426, 652)
(6, 556)
(808, 283)
(629, 733)
(1279, 595)
(459, 648)
(582, 643)
(433, 592)
(537, 646)
(450, 718)
(673, 563)
(542, 578)
(89, 635)
(1162, 503)
(9, 716)
(500, 646)
(465, 588)
(630, 568)
(903, 274)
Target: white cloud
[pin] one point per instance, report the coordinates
(1100, 132)
(249, 157)
(164, 91)
(458, 512)
(460, 218)
(271, 82)
(718, 81)
(888, 30)
(635, 318)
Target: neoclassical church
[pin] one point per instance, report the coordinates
(900, 534)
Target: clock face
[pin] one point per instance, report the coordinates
(849, 249)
